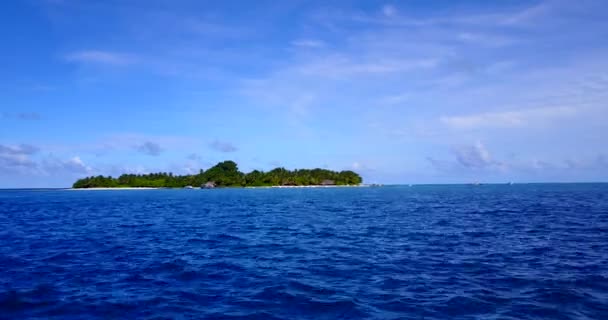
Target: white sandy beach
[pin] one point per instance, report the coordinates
(249, 187)
(315, 186)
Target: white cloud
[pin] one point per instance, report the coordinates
(25, 160)
(56, 166)
(475, 156)
(343, 66)
(489, 40)
(17, 157)
(100, 57)
(507, 17)
(24, 149)
(507, 119)
(471, 157)
(361, 167)
(308, 43)
(528, 14)
(75, 165)
(15, 161)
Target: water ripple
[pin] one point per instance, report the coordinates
(422, 252)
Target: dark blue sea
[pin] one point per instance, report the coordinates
(537, 251)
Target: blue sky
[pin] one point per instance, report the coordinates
(402, 92)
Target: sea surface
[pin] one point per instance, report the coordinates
(537, 251)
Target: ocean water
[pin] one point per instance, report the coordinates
(421, 252)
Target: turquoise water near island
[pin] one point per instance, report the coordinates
(530, 251)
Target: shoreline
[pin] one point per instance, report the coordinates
(246, 187)
(312, 186)
(120, 188)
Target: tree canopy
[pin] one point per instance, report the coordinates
(225, 174)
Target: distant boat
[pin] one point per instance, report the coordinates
(188, 187)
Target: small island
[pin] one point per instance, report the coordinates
(225, 174)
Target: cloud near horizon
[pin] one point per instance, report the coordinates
(17, 158)
(73, 167)
(27, 161)
(475, 156)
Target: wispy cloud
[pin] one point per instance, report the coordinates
(390, 15)
(222, 146)
(205, 27)
(133, 141)
(428, 78)
(25, 159)
(344, 66)
(507, 119)
(475, 156)
(76, 164)
(73, 166)
(476, 159)
(21, 115)
(308, 43)
(469, 158)
(194, 157)
(396, 98)
(149, 148)
(389, 10)
(17, 157)
(360, 167)
(24, 149)
(485, 39)
(528, 14)
(599, 161)
(440, 165)
(100, 57)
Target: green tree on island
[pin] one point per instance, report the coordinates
(225, 174)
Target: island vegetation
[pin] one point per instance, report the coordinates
(225, 174)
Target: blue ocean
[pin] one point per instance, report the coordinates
(529, 251)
